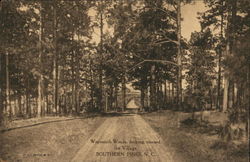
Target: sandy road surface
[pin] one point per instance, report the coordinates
(138, 142)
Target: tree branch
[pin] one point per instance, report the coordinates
(155, 7)
(162, 61)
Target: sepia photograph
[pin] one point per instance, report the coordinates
(124, 80)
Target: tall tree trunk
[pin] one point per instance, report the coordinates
(219, 83)
(116, 96)
(162, 98)
(157, 95)
(226, 79)
(225, 94)
(211, 99)
(28, 109)
(248, 101)
(142, 97)
(15, 107)
(235, 94)
(27, 104)
(169, 93)
(19, 104)
(179, 75)
(40, 81)
(124, 92)
(111, 97)
(91, 83)
(233, 48)
(73, 81)
(101, 53)
(165, 93)
(77, 91)
(230, 49)
(55, 61)
(92, 95)
(1, 90)
(47, 103)
(78, 73)
(219, 63)
(152, 88)
(67, 109)
(230, 94)
(106, 100)
(7, 94)
(148, 97)
(173, 94)
(73, 77)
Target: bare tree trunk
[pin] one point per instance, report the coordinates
(66, 104)
(91, 83)
(148, 96)
(142, 97)
(55, 62)
(73, 81)
(47, 103)
(40, 81)
(235, 94)
(19, 104)
(116, 96)
(28, 108)
(101, 53)
(92, 96)
(233, 48)
(226, 79)
(106, 100)
(219, 84)
(77, 73)
(157, 95)
(169, 93)
(7, 94)
(230, 37)
(219, 64)
(1, 90)
(248, 101)
(161, 100)
(230, 94)
(124, 92)
(165, 93)
(27, 104)
(211, 99)
(152, 88)
(225, 94)
(173, 93)
(15, 108)
(179, 76)
(100, 90)
(111, 97)
(77, 91)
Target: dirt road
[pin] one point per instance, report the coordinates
(124, 138)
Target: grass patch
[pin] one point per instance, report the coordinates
(52, 141)
(193, 140)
